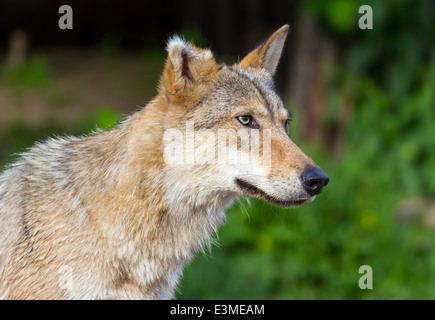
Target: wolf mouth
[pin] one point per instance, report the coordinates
(252, 191)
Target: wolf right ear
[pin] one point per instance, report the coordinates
(267, 55)
(186, 68)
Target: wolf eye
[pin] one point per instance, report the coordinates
(245, 120)
(287, 122)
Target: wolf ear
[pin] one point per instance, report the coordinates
(267, 55)
(186, 68)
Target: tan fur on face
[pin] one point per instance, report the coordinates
(105, 217)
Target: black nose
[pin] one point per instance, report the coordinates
(314, 179)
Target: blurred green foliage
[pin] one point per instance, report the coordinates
(314, 252)
(34, 73)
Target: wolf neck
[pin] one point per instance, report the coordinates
(174, 215)
(193, 215)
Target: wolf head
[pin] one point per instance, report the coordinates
(230, 127)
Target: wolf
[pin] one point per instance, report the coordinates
(104, 216)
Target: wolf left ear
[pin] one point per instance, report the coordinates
(267, 55)
(187, 68)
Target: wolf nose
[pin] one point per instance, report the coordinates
(314, 179)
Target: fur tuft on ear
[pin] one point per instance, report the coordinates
(186, 67)
(267, 55)
(177, 42)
